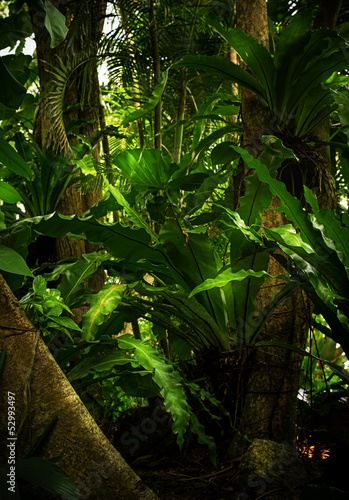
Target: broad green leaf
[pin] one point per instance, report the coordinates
(12, 160)
(99, 364)
(48, 476)
(226, 277)
(227, 70)
(167, 378)
(8, 194)
(74, 275)
(150, 105)
(12, 262)
(330, 226)
(254, 54)
(132, 213)
(55, 24)
(39, 285)
(342, 100)
(193, 256)
(64, 321)
(289, 205)
(12, 92)
(101, 305)
(145, 168)
(223, 153)
(13, 28)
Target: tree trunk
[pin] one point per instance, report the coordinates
(90, 16)
(270, 398)
(41, 392)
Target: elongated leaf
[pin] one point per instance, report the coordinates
(203, 438)
(132, 213)
(332, 228)
(150, 105)
(254, 54)
(48, 476)
(74, 275)
(169, 381)
(12, 160)
(226, 277)
(99, 364)
(101, 305)
(12, 262)
(8, 194)
(201, 322)
(227, 70)
(194, 258)
(55, 24)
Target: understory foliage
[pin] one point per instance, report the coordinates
(181, 257)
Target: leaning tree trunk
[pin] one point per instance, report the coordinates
(41, 392)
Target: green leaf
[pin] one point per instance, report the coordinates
(75, 274)
(167, 378)
(13, 28)
(144, 168)
(254, 54)
(132, 213)
(12, 262)
(12, 92)
(226, 277)
(12, 160)
(150, 105)
(193, 256)
(224, 68)
(101, 305)
(48, 476)
(55, 24)
(98, 364)
(8, 194)
(39, 285)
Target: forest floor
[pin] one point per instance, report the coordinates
(190, 474)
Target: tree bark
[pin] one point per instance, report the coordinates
(73, 200)
(42, 392)
(270, 398)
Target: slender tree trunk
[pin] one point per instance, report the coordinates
(156, 71)
(41, 392)
(178, 137)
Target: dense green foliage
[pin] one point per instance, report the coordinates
(182, 257)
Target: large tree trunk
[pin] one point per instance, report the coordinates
(41, 392)
(85, 20)
(269, 405)
(269, 401)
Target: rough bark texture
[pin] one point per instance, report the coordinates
(270, 399)
(42, 391)
(252, 18)
(90, 17)
(270, 402)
